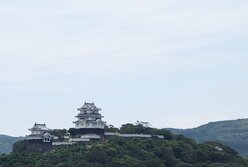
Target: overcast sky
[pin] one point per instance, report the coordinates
(173, 63)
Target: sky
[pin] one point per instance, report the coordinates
(172, 63)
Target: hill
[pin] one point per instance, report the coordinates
(173, 151)
(6, 143)
(233, 133)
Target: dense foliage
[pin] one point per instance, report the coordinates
(60, 133)
(233, 133)
(174, 151)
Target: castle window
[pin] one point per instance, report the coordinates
(46, 139)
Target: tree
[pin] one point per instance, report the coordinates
(96, 155)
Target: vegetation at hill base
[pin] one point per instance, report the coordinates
(233, 133)
(173, 151)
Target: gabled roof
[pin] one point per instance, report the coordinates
(39, 127)
(47, 134)
(89, 106)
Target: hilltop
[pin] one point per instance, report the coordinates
(172, 151)
(233, 133)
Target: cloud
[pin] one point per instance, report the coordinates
(187, 57)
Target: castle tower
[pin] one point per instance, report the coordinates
(40, 139)
(89, 120)
(40, 132)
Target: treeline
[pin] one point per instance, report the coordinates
(232, 133)
(173, 151)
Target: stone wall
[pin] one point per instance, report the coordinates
(38, 146)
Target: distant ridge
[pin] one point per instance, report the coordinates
(6, 143)
(233, 133)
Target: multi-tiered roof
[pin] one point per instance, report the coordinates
(89, 117)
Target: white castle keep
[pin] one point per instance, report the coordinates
(89, 117)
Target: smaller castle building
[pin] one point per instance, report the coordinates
(40, 132)
(40, 139)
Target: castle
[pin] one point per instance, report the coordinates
(88, 126)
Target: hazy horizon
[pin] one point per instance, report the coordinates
(172, 63)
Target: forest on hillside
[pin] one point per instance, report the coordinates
(173, 151)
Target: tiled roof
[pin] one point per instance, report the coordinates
(89, 106)
(40, 127)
